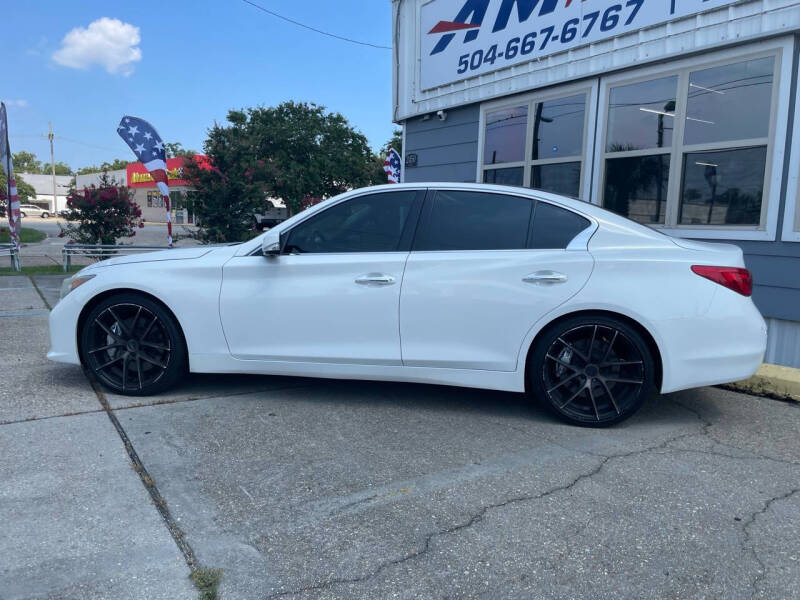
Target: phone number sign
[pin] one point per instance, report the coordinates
(464, 38)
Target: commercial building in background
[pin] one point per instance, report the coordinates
(146, 194)
(680, 114)
(43, 186)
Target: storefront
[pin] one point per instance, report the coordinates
(147, 196)
(679, 114)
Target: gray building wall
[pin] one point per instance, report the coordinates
(448, 151)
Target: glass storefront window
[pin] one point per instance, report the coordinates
(554, 132)
(512, 176)
(559, 178)
(723, 188)
(558, 127)
(636, 187)
(642, 115)
(504, 139)
(731, 102)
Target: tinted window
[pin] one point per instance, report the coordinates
(475, 221)
(372, 223)
(554, 227)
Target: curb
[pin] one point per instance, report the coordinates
(774, 381)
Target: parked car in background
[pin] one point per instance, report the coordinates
(271, 216)
(459, 284)
(32, 210)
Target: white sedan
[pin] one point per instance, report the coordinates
(458, 284)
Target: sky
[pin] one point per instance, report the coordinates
(182, 65)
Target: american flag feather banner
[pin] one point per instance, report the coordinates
(392, 165)
(10, 193)
(148, 147)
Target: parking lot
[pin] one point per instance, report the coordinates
(302, 488)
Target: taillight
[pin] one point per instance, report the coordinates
(734, 278)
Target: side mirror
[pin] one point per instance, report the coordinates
(271, 246)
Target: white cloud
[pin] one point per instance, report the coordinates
(18, 103)
(107, 42)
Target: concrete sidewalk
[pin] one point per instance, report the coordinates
(335, 489)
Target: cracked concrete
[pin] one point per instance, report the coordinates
(364, 490)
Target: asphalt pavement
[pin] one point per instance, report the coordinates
(301, 488)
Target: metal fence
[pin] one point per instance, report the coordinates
(100, 251)
(12, 252)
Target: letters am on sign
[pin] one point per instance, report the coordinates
(464, 38)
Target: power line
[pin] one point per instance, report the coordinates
(314, 29)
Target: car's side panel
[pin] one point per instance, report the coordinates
(471, 309)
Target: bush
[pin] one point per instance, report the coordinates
(101, 214)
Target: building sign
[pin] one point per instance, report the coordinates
(139, 177)
(464, 38)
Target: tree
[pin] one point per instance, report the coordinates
(26, 162)
(175, 149)
(25, 191)
(396, 142)
(62, 168)
(291, 151)
(101, 214)
(117, 164)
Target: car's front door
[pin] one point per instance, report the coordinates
(485, 267)
(333, 295)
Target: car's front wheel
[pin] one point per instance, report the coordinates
(133, 345)
(593, 371)
(45, 215)
(22, 214)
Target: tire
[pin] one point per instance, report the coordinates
(592, 371)
(45, 215)
(133, 345)
(22, 215)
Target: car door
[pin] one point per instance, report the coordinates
(332, 295)
(483, 269)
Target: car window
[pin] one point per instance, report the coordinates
(465, 220)
(370, 223)
(554, 227)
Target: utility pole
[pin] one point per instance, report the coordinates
(50, 136)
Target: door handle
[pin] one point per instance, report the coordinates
(545, 278)
(375, 279)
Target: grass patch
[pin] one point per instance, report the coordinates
(26, 236)
(206, 580)
(41, 270)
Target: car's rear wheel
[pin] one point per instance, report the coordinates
(593, 371)
(133, 345)
(22, 214)
(45, 215)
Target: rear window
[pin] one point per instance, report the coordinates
(554, 227)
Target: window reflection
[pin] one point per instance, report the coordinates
(641, 115)
(559, 178)
(505, 135)
(512, 176)
(724, 187)
(731, 102)
(558, 127)
(636, 187)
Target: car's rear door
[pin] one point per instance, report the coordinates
(333, 295)
(483, 269)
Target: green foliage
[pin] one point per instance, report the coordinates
(396, 142)
(26, 235)
(117, 164)
(206, 580)
(101, 214)
(174, 149)
(26, 162)
(61, 168)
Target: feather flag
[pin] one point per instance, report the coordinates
(393, 166)
(148, 147)
(10, 193)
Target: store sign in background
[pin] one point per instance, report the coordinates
(138, 176)
(464, 38)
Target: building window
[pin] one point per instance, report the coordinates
(155, 200)
(538, 141)
(692, 148)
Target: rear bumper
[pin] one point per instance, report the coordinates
(725, 345)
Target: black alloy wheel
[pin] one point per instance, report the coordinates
(133, 346)
(592, 371)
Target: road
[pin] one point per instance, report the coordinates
(150, 234)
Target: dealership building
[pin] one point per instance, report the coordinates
(679, 114)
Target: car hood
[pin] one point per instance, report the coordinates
(174, 254)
